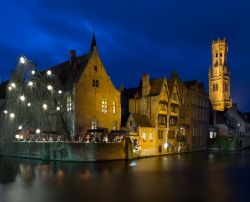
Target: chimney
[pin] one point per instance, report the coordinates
(145, 85)
(72, 56)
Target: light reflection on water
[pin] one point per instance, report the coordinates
(188, 177)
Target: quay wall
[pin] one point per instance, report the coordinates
(67, 151)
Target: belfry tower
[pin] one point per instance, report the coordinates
(219, 77)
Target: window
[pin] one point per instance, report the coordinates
(69, 104)
(220, 54)
(95, 68)
(144, 137)
(174, 108)
(114, 125)
(114, 107)
(151, 137)
(226, 87)
(172, 121)
(130, 123)
(104, 106)
(95, 83)
(160, 134)
(94, 124)
(216, 54)
(215, 87)
(162, 119)
(175, 96)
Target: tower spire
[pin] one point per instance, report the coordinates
(93, 43)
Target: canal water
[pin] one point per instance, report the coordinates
(198, 176)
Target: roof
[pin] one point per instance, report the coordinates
(141, 120)
(70, 71)
(155, 88)
(3, 87)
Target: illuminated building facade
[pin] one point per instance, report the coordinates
(219, 77)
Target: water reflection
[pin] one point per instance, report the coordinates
(188, 177)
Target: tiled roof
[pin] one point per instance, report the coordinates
(141, 120)
(155, 89)
(69, 73)
(156, 86)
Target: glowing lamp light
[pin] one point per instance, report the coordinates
(17, 136)
(20, 127)
(22, 98)
(22, 60)
(58, 108)
(49, 72)
(5, 111)
(49, 87)
(10, 88)
(33, 72)
(12, 115)
(165, 145)
(28, 104)
(45, 106)
(13, 85)
(30, 83)
(38, 131)
(60, 92)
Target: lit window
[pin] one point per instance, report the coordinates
(104, 106)
(160, 134)
(151, 137)
(114, 107)
(94, 124)
(95, 83)
(69, 104)
(114, 125)
(144, 137)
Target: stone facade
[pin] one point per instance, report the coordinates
(219, 77)
(97, 102)
(92, 102)
(198, 115)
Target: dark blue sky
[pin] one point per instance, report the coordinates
(134, 37)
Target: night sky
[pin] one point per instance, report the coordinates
(133, 37)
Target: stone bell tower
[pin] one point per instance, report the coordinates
(219, 77)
